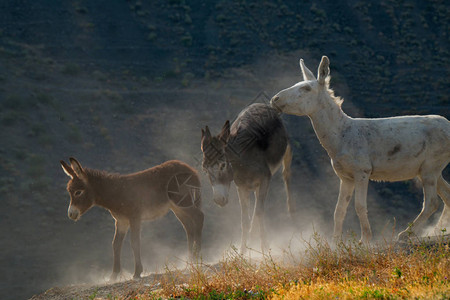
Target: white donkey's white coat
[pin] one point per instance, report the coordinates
(388, 149)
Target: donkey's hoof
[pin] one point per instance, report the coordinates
(113, 277)
(137, 276)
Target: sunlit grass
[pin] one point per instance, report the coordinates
(381, 272)
(320, 271)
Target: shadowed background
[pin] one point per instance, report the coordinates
(125, 85)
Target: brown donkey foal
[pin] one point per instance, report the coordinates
(133, 198)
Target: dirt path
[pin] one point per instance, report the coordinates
(124, 289)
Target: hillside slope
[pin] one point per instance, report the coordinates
(125, 85)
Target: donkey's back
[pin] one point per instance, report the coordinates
(258, 133)
(172, 184)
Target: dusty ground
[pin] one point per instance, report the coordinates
(130, 288)
(123, 289)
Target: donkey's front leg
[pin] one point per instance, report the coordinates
(361, 185)
(192, 220)
(345, 195)
(135, 228)
(120, 232)
(287, 161)
(243, 194)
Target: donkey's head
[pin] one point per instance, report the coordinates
(81, 194)
(216, 164)
(303, 98)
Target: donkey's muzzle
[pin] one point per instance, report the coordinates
(221, 201)
(220, 194)
(273, 103)
(73, 213)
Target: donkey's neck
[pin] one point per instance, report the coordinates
(108, 188)
(328, 123)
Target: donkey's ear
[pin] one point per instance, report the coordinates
(206, 134)
(324, 70)
(225, 133)
(307, 74)
(206, 138)
(76, 167)
(67, 169)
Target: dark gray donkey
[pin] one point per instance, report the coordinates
(249, 153)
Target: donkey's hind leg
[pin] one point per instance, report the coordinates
(258, 213)
(287, 161)
(192, 220)
(443, 189)
(198, 218)
(135, 231)
(430, 205)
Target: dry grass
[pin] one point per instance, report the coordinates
(348, 271)
(383, 272)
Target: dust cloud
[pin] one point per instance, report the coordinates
(172, 123)
(169, 124)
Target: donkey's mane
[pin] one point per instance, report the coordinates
(101, 173)
(168, 166)
(336, 99)
(254, 124)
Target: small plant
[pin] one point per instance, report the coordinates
(152, 36)
(186, 40)
(397, 273)
(44, 98)
(9, 118)
(93, 295)
(71, 69)
(99, 75)
(36, 165)
(187, 79)
(74, 134)
(105, 133)
(14, 102)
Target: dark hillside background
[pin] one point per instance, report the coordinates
(125, 85)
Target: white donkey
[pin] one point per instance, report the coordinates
(382, 149)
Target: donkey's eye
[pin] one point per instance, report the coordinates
(305, 88)
(78, 192)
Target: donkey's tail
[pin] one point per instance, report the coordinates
(287, 161)
(196, 191)
(198, 196)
